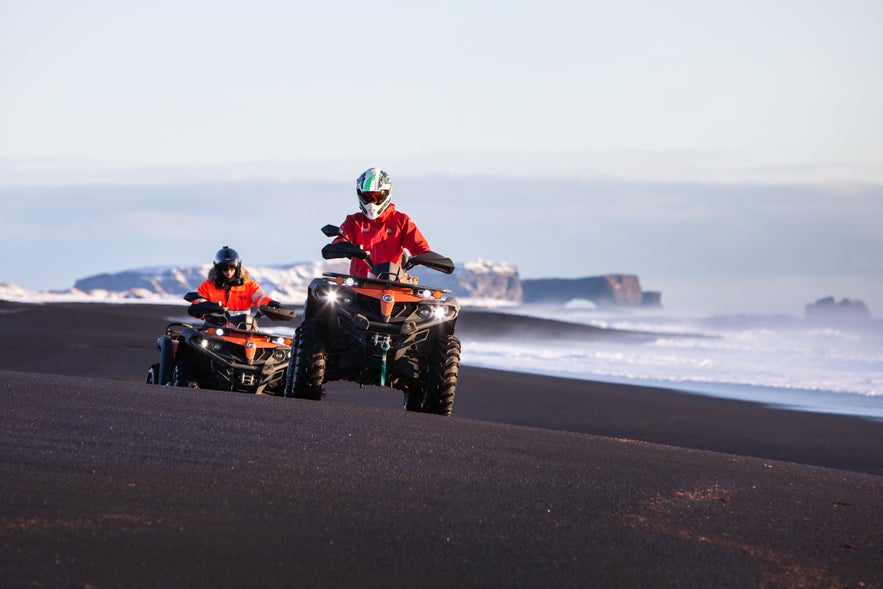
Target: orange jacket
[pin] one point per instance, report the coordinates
(385, 238)
(239, 297)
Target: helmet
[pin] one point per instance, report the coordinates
(374, 187)
(227, 256)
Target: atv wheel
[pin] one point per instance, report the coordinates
(166, 367)
(152, 374)
(407, 380)
(413, 397)
(179, 378)
(444, 368)
(306, 369)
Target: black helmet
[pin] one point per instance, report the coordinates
(227, 256)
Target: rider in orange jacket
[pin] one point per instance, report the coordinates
(379, 228)
(231, 285)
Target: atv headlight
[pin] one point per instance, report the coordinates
(203, 343)
(427, 312)
(327, 292)
(428, 293)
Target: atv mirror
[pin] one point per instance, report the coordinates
(331, 230)
(343, 249)
(192, 296)
(431, 260)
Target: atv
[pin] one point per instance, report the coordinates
(226, 352)
(384, 330)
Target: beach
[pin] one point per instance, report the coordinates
(534, 481)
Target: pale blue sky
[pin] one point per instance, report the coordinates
(173, 111)
(206, 82)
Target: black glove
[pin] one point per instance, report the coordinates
(199, 310)
(274, 305)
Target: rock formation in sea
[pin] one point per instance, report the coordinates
(829, 309)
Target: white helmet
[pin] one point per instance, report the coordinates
(374, 188)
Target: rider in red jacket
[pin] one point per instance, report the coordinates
(379, 228)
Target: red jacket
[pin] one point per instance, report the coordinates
(385, 238)
(238, 298)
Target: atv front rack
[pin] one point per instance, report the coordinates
(360, 281)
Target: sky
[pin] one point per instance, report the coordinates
(716, 149)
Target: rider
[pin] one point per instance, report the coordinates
(379, 228)
(230, 284)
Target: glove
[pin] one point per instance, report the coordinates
(274, 305)
(205, 308)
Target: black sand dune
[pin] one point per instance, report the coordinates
(535, 481)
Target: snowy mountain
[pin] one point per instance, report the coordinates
(286, 283)
(480, 282)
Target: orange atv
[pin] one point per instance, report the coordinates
(226, 352)
(386, 330)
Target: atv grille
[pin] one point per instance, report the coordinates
(260, 354)
(400, 311)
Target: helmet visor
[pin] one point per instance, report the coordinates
(375, 197)
(225, 266)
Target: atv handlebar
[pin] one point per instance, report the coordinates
(200, 310)
(203, 308)
(346, 249)
(277, 313)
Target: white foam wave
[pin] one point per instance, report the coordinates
(832, 369)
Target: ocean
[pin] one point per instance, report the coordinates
(777, 360)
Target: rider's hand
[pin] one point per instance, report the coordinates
(274, 305)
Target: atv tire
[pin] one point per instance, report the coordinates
(153, 374)
(413, 397)
(444, 369)
(306, 369)
(165, 370)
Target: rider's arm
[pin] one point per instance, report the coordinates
(205, 291)
(348, 231)
(412, 238)
(257, 297)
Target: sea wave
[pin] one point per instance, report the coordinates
(776, 360)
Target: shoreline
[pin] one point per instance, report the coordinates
(491, 325)
(88, 341)
(856, 405)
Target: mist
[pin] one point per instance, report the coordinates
(721, 247)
